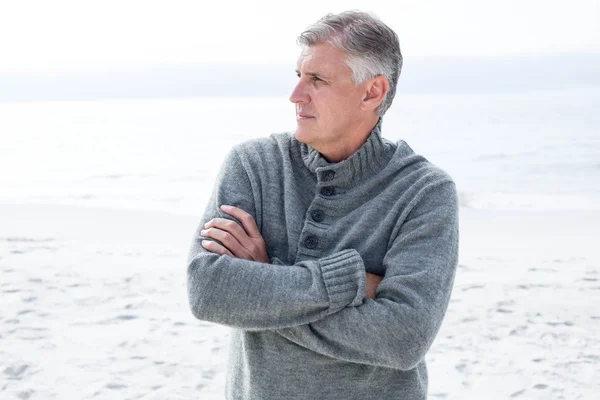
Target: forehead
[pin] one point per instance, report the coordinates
(322, 58)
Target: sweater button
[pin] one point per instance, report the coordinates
(328, 175)
(328, 191)
(311, 242)
(317, 215)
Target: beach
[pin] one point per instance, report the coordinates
(116, 119)
(93, 304)
(99, 201)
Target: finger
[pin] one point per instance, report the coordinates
(246, 219)
(232, 227)
(227, 240)
(216, 248)
(238, 233)
(251, 249)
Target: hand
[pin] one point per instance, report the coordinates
(238, 242)
(373, 282)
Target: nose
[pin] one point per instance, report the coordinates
(299, 94)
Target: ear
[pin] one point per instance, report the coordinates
(375, 93)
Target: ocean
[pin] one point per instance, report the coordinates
(530, 151)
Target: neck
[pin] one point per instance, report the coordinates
(341, 150)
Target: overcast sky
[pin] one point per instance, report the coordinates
(63, 34)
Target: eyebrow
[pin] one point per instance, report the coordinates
(315, 74)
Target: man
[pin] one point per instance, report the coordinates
(331, 252)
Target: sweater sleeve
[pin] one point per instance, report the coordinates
(253, 295)
(396, 329)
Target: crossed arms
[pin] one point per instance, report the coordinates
(245, 241)
(329, 305)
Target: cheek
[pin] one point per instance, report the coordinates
(353, 99)
(342, 109)
(330, 105)
(334, 108)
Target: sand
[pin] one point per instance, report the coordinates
(93, 305)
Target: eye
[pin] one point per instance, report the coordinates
(315, 78)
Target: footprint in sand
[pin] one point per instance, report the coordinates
(209, 374)
(25, 395)
(518, 330)
(116, 386)
(592, 357)
(16, 372)
(471, 287)
(559, 323)
(126, 317)
(461, 367)
(504, 310)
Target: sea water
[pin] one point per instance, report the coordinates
(511, 151)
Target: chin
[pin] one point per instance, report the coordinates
(303, 135)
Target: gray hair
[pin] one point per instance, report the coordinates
(372, 47)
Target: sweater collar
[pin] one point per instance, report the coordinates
(367, 161)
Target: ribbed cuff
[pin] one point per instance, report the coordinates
(345, 278)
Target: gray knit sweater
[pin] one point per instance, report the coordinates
(302, 328)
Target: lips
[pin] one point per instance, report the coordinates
(304, 116)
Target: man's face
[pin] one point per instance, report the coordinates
(327, 101)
